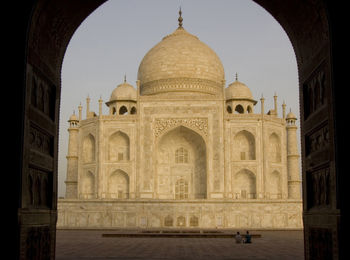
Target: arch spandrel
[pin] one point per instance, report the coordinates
(162, 126)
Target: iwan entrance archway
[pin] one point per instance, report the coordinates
(310, 24)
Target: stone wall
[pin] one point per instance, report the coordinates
(247, 214)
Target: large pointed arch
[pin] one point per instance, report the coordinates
(181, 155)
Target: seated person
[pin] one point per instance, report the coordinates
(238, 238)
(248, 238)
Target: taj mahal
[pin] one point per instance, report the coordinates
(181, 149)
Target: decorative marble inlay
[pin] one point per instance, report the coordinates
(162, 124)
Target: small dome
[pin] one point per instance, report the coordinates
(238, 90)
(124, 91)
(291, 115)
(73, 118)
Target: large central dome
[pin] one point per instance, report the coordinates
(181, 63)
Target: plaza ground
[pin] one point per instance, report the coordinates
(90, 244)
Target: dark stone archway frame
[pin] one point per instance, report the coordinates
(48, 26)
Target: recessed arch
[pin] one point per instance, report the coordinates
(244, 184)
(243, 146)
(87, 187)
(190, 165)
(118, 147)
(89, 149)
(274, 185)
(118, 185)
(275, 149)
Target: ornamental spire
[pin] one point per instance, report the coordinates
(180, 18)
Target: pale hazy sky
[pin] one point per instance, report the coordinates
(113, 40)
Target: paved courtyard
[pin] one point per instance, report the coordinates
(89, 244)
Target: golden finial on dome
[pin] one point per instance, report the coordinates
(236, 76)
(124, 78)
(180, 18)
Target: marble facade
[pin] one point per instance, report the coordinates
(182, 150)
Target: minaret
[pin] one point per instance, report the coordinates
(292, 158)
(72, 159)
(284, 110)
(88, 107)
(275, 104)
(100, 106)
(80, 109)
(262, 99)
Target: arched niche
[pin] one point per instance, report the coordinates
(244, 184)
(118, 185)
(88, 149)
(168, 221)
(118, 147)
(274, 185)
(274, 149)
(87, 187)
(181, 154)
(243, 146)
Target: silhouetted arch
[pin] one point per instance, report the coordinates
(123, 110)
(239, 109)
(133, 111)
(249, 110)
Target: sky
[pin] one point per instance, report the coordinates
(112, 41)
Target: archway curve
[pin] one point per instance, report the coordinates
(118, 185)
(118, 148)
(170, 169)
(48, 32)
